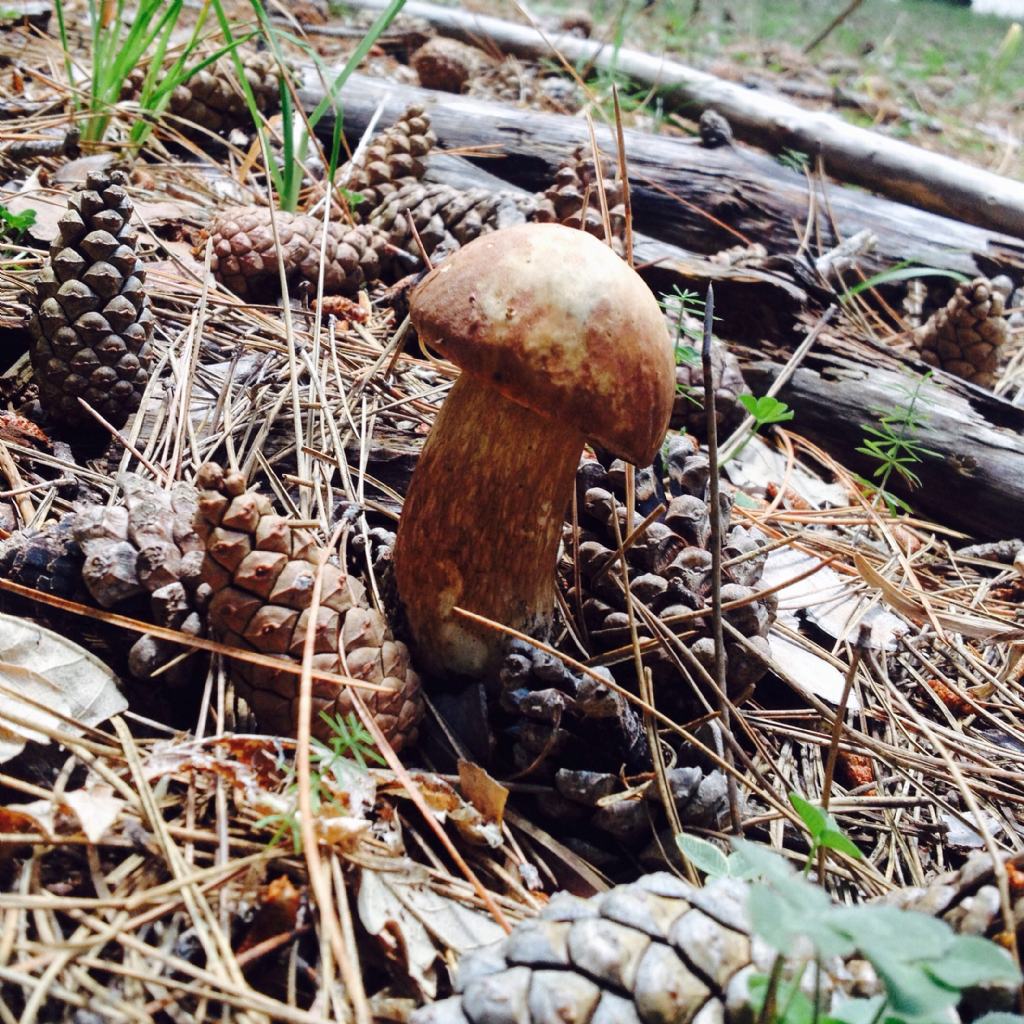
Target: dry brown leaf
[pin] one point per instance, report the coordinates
(976, 626)
(60, 676)
(34, 817)
(415, 925)
(447, 805)
(486, 794)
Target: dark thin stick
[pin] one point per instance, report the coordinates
(424, 255)
(716, 546)
(863, 639)
(627, 199)
(833, 25)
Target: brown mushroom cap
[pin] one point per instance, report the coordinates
(553, 320)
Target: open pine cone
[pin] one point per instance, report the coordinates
(261, 572)
(660, 950)
(393, 158)
(965, 336)
(669, 571)
(575, 200)
(246, 259)
(142, 559)
(91, 323)
(445, 217)
(213, 99)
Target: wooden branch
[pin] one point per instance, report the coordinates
(725, 195)
(975, 483)
(905, 172)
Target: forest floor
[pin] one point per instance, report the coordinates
(182, 838)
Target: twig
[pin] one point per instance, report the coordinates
(715, 510)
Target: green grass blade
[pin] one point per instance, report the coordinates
(896, 274)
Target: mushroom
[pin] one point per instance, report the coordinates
(559, 341)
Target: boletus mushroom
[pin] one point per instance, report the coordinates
(559, 342)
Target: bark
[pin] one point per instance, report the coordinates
(974, 483)
(857, 155)
(701, 199)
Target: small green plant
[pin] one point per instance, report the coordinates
(902, 271)
(766, 410)
(794, 160)
(296, 128)
(121, 42)
(684, 306)
(923, 965)
(893, 445)
(823, 829)
(14, 225)
(335, 764)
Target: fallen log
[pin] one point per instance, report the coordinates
(898, 169)
(701, 199)
(974, 482)
(753, 304)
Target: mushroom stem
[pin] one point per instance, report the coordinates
(481, 525)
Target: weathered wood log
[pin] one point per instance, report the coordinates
(753, 304)
(726, 195)
(974, 483)
(898, 169)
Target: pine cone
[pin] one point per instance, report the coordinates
(48, 559)
(966, 335)
(447, 65)
(653, 951)
(688, 411)
(261, 572)
(669, 569)
(92, 324)
(507, 82)
(392, 159)
(567, 729)
(146, 547)
(574, 199)
(245, 258)
(142, 558)
(213, 99)
(445, 217)
(660, 949)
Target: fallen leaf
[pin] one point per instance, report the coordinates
(55, 673)
(96, 809)
(34, 817)
(976, 626)
(415, 924)
(447, 805)
(827, 599)
(486, 794)
(402, 936)
(277, 914)
(810, 672)
(760, 467)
